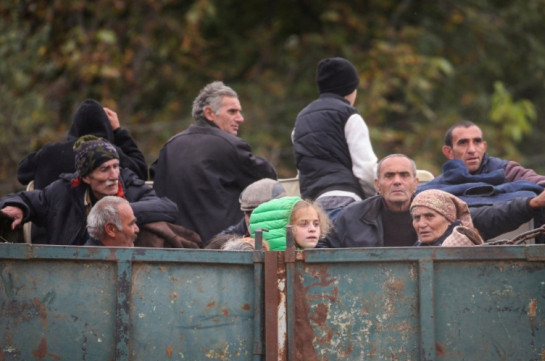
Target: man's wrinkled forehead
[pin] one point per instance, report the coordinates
(462, 135)
(395, 165)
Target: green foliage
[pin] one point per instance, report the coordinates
(423, 66)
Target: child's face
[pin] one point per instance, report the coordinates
(306, 227)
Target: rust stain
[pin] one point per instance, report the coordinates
(162, 268)
(532, 308)
(439, 350)
(305, 334)
(542, 354)
(41, 351)
(396, 286)
(181, 337)
(246, 307)
(225, 312)
(174, 295)
(56, 357)
(42, 311)
(169, 351)
(174, 279)
(320, 314)
(210, 305)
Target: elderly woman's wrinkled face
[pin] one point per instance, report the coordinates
(429, 224)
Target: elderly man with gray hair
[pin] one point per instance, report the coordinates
(204, 168)
(112, 223)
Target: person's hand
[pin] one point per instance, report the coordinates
(15, 213)
(112, 116)
(538, 201)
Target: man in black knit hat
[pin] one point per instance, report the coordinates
(331, 143)
(62, 207)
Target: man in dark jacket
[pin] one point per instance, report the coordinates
(385, 220)
(331, 143)
(62, 207)
(465, 141)
(45, 165)
(204, 168)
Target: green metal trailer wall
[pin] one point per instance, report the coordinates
(79, 303)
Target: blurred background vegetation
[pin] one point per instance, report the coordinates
(423, 66)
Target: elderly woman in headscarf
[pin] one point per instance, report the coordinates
(442, 219)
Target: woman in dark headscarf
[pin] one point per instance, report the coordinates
(442, 219)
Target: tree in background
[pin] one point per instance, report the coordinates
(422, 66)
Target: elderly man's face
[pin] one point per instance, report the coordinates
(467, 145)
(127, 236)
(104, 180)
(396, 183)
(229, 117)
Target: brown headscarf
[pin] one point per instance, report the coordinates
(446, 204)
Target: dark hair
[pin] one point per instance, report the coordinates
(462, 124)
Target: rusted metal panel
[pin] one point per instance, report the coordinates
(79, 303)
(61, 311)
(357, 311)
(477, 303)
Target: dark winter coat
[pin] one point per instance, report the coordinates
(360, 223)
(45, 165)
(203, 170)
(60, 210)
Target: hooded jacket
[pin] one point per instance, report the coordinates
(45, 165)
(60, 209)
(273, 216)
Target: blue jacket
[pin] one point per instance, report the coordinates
(480, 189)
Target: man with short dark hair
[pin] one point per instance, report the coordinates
(204, 168)
(465, 141)
(62, 207)
(331, 142)
(112, 223)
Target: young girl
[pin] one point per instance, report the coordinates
(309, 222)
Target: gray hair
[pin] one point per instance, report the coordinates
(413, 164)
(211, 96)
(103, 212)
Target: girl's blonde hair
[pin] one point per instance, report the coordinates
(325, 222)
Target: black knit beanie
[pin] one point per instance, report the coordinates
(91, 152)
(336, 75)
